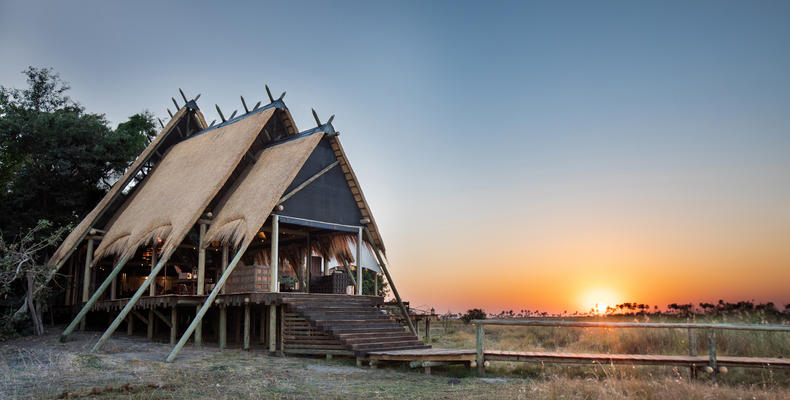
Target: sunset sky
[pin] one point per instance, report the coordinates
(515, 155)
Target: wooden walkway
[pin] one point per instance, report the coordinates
(428, 356)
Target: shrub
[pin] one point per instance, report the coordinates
(474, 313)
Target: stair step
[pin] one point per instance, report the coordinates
(382, 337)
(391, 348)
(385, 343)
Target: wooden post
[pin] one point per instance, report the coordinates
(359, 262)
(392, 283)
(246, 324)
(712, 350)
(198, 330)
(86, 278)
(692, 351)
(173, 325)
(480, 359)
(201, 278)
(274, 285)
(237, 326)
(272, 328)
(81, 315)
(428, 330)
(151, 322)
(308, 274)
(131, 303)
(113, 288)
(223, 326)
(350, 274)
(70, 278)
(262, 332)
(224, 265)
(130, 325)
(376, 284)
(281, 333)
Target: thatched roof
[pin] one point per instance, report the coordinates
(250, 203)
(81, 230)
(181, 187)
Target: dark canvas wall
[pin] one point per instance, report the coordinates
(328, 198)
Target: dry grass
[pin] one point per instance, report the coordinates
(132, 368)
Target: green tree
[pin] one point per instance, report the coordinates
(56, 160)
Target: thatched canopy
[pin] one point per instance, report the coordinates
(181, 187)
(249, 204)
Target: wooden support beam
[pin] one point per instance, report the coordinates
(263, 321)
(272, 328)
(130, 325)
(198, 330)
(201, 278)
(391, 282)
(140, 317)
(84, 311)
(151, 322)
(281, 336)
(274, 285)
(173, 324)
(350, 274)
(307, 182)
(113, 287)
(86, 278)
(209, 300)
(359, 264)
(246, 325)
(223, 326)
(131, 303)
(480, 358)
(428, 330)
(224, 262)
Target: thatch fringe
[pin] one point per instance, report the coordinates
(336, 245)
(231, 232)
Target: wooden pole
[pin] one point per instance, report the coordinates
(359, 261)
(223, 326)
(131, 303)
(712, 350)
(173, 325)
(81, 315)
(350, 274)
(376, 284)
(224, 262)
(113, 288)
(428, 330)
(309, 272)
(391, 282)
(274, 285)
(272, 328)
(86, 278)
(201, 278)
(151, 322)
(692, 350)
(246, 325)
(207, 303)
(130, 325)
(480, 359)
(262, 321)
(281, 333)
(152, 293)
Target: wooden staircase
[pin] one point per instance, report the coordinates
(352, 323)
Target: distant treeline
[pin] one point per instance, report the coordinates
(722, 308)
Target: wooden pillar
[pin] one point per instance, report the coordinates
(428, 330)
(237, 326)
(113, 288)
(224, 264)
(308, 264)
(272, 342)
(201, 278)
(359, 262)
(480, 359)
(281, 333)
(376, 284)
(151, 322)
(69, 279)
(263, 321)
(173, 325)
(130, 325)
(223, 326)
(692, 351)
(274, 285)
(246, 325)
(86, 278)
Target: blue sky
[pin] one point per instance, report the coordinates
(495, 139)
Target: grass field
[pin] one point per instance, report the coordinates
(132, 368)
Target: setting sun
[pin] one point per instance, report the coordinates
(597, 300)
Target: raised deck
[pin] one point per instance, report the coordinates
(314, 323)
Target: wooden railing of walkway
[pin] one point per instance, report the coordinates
(692, 359)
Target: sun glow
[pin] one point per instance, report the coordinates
(598, 300)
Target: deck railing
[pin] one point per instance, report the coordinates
(692, 332)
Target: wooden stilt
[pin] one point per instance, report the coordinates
(151, 322)
(113, 288)
(246, 326)
(224, 265)
(281, 333)
(272, 328)
(201, 279)
(173, 325)
(86, 277)
(237, 326)
(223, 326)
(359, 264)
(428, 330)
(262, 329)
(274, 285)
(130, 325)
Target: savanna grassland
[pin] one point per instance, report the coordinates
(132, 368)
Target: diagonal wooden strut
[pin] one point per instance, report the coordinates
(389, 279)
(307, 182)
(139, 293)
(207, 304)
(93, 299)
